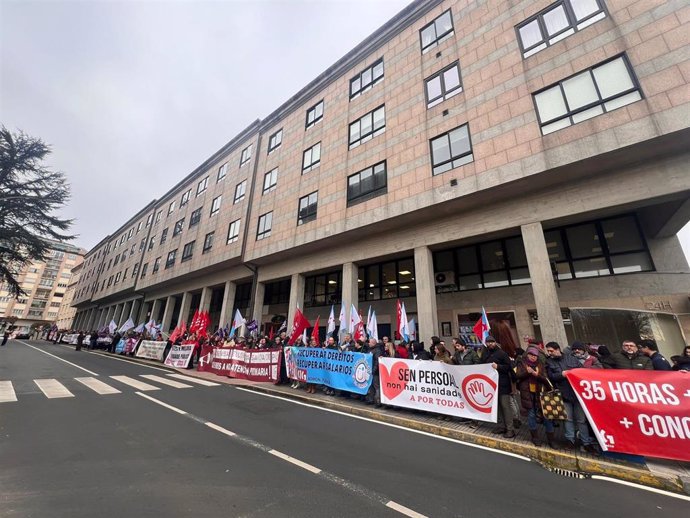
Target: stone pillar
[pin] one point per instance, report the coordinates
(205, 301)
(135, 309)
(124, 315)
(184, 307)
(296, 298)
(228, 302)
(427, 314)
(543, 286)
(350, 291)
(154, 310)
(167, 314)
(93, 318)
(118, 313)
(258, 302)
(99, 319)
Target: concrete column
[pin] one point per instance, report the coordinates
(99, 317)
(167, 314)
(228, 302)
(543, 286)
(258, 301)
(119, 309)
(184, 307)
(350, 291)
(92, 318)
(109, 315)
(134, 310)
(76, 320)
(205, 301)
(143, 317)
(124, 314)
(427, 314)
(296, 298)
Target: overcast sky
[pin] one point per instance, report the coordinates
(133, 95)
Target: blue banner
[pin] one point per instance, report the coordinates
(341, 370)
(120, 347)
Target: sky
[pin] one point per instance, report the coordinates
(134, 95)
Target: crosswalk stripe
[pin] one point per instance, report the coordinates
(52, 388)
(7, 392)
(139, 385)
(194, 380)
(98, 386)
(165, 381)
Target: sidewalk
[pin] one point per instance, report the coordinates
(660, 474)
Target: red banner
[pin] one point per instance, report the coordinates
(248, 364)
(638, 412)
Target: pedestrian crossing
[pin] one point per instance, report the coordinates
(53, 388)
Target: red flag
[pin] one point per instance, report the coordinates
(271, 333)
(315, 332)
(204, 321)
(175, 334)
(193, 324)
(299, 324)
(399, 316)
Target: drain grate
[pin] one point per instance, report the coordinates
(567, 473)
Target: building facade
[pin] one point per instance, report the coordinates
(67, 312)
(45, 284)
(527, 156)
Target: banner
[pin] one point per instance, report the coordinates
(130, 344)
(248, 364)
(151, 350)
(180, 355)
(120, 347)
(341, 370)
(638, 412)
(469, 391)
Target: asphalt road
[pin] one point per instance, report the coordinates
(223, 451)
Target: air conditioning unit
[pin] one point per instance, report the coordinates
(444, 278)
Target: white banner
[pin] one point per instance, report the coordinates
(179, 356)
(151, 350)
(463, 391)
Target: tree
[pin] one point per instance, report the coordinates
(29, 194)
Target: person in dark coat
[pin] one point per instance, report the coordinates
(374, 394)
(500, 361)
(418, 352)
(651, 350)
(80, 340)
(5, 337)
(463, 354)
(93, 340)
(531, 382)
(627, 358)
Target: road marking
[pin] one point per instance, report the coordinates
(7, 392)
(404, 510)
(220, 429)
(165, 381)
(58, 358)
(140, 385)
(391, 425)
(52, 388)
(640, 486)
(296, 462)
(104, 355)
(170, 407)
(98, 386)
(194, 380)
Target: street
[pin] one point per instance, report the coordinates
(84, 435)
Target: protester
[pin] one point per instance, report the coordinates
(80, 340)
(5, 337)
(500, 361)
(651, 350)
(442, 354)
(418, 352)
(627, 358)
(531, 382)
(682, 362)
(588, 361)
(462, 354)
(374, 394)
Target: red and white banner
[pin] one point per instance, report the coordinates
(180, 355)
(638, 412)
(469, 391)
(248, 364)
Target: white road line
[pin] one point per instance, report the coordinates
(165, 381)
(170, 407)
(58, 358)
(640, 486)
(404, 510)
(7, 392)
(420, 432)
(98, 386)
(127, 361)
(140, 385)
(52, 388)
(220, 429)
(295, 461)
(194, 380)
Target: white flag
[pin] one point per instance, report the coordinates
(151, 327)
(413, 329)
(140, 328)
(372, 326)
(305, 340)
(127, 325)
(112, 326)
(405, 335)
(331, 323)
(237, 322)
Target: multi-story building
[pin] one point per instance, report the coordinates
(67, 312)
(527, 156)
(45, 284)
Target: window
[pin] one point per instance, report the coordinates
(389, 280)
(138, 230)
(130, 233)
(143, 270)
(306, 210)
(117, 260)
(164, 235)
(110, 281)
(437, 31)
(556, 22)
(599, 89)
(367, 127)
(135, 270)
(201, 186)
(314, 114)
(142, 245)
(185, 198)
(215, 205)
(170, 261)
(311, 158)
(149, 220)
(156, 265)
(208, 242)
(275, 140)
(152, 242)
(451, 150)
(117, 277)
(366, 79)
(443, 85)
(263, 229)
(131, 250)
(366, 184)
(195, 217)
(277, 292)
(179, 225)
(270, 181)
(122, 259)
(246, 155)
(187, 251)
(233, 231)
(222, 171)
(159, 214)
(240, 190)
(171, 208)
